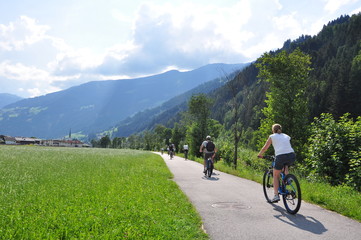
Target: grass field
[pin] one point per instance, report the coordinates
(73, 193)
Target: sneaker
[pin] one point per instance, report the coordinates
(276, 198)
(205, 170)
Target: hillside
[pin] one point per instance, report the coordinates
(6, 99)
(96, 106)
(335, 81)
(164, 114)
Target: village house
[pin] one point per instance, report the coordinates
(8, 140)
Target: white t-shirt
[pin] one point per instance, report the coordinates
(281, 143)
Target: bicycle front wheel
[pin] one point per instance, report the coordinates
(292, 198)
(268, 185)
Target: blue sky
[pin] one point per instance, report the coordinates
(47, 46)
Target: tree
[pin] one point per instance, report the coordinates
(199, 111)
(105, 141)
(287, 75)
(177, 136)
(117, 142)
(199, 108)
(236, 108)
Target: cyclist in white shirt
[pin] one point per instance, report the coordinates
(185, 149)
(285, 155)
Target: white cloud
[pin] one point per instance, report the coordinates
(25, 31)
(333, 5)
(30, 76)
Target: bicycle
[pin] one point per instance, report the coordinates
(171, 153)
(209, 169)
(289, 188)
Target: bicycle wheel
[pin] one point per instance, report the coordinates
(209, 168)
(268, 185)
(292, 198)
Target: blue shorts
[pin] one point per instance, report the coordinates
(284, 159)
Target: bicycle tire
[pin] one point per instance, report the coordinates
(209, 168)
(268, 185)
(292, 199)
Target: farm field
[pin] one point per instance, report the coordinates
(75, 193)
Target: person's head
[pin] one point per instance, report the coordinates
(208, 138)
(276, 128)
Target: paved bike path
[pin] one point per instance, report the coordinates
(235, 208)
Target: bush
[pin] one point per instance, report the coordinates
(334, 150)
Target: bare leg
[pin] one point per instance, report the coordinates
(286, 170)
(276, 180)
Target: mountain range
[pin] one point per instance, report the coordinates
(99, 105)
(6, 99)
(334, 84)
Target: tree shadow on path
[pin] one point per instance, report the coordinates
(300, 221)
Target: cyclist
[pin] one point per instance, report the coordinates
(171, 150)
(285, 155)
(209, 150)
(185, 149)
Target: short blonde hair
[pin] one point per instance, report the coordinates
(276, 128)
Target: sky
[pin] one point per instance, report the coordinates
(48, 46)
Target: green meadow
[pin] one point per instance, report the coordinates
(75, 193)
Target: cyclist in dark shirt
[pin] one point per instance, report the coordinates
(209, 152)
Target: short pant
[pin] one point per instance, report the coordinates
(284, 159)
(208, 155)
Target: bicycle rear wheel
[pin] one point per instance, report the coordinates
(268, 185)
(209, 168)
(292, 198)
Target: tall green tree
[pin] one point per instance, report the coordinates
(199, 112)
(177, 136)
(287, 75)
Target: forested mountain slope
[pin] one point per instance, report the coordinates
(335, 81)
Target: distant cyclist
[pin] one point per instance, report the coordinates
(285, 155)
(185, 150)
(209, 151)
(171, 150)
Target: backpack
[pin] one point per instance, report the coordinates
(210, 146)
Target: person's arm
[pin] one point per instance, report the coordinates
(214, 154)
(201, 148)
(265, 147)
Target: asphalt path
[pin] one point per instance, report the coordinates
(235, 208)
